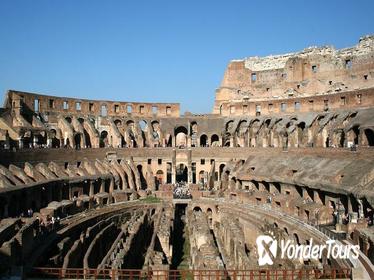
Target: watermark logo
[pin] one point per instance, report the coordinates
(267, 249)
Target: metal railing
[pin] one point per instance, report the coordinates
(133, 274)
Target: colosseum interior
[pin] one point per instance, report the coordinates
(124, 190)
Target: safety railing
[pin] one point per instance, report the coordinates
(132, 274)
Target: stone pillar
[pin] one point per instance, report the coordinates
(70, 193)
(261, 187)
(316, 197)
(102, 186)
(35, 141)
(173, 173)
(49, 142)
(350, 207)
(238, 186)
(360, 209)
(92, 189)
(20, 143)
(231, 141)
(273, 189)
(305, 193)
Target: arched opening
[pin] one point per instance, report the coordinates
(296, 238)
(143, 181)
(155, 132)
(209, 213)
(214, 140)
(193, 134)
(55, 143)
(229, 127)
(327, 142)
(221, 167)
(68, 119)
(143, 125)
(369, 134)
(86, 134)
(202, 177)
(168, 140)
(103, 110)
(203, 140)
(267, 122)
(132, 141)
(301, 125)
(118, 123)
(168, 173)
(181, 173)
(181, 137)
(77, 139)
(356, 131)
(144, 128)
(159, 178)
(104, 142)
(197, 209)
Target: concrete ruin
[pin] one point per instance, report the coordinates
(287, 152)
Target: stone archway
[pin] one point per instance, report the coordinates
(181, 174)
(104, 142)
(203, 140)
(181, 137)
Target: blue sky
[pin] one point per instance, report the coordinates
(159, 51)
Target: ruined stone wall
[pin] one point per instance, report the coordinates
(298, 77)
(74, 106)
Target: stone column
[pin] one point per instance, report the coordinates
(360, 209)
(70, 192)
(49, 142)
(173, 167)
(173, 173)
(111, 189)
(92, 189)
(316, 197)
(35, 141)
(102, 186)
(273, 189)
(350, 207)
(20, 143)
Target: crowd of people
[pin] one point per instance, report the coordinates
(181, 191)
(50, 223)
